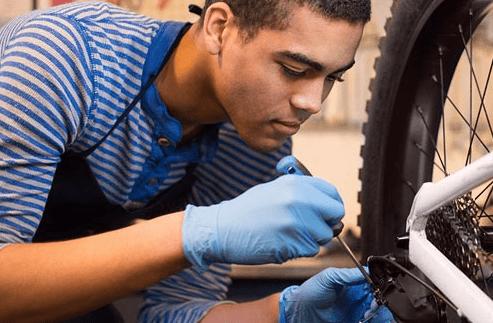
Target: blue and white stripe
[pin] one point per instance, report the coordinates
(66, 74)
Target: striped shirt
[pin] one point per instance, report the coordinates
(66, 74)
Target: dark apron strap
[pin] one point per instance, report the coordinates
(74, 211)
(139, 96)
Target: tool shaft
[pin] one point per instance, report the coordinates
(298, 166)
(354, 259)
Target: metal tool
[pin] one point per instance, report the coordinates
(351, 254)
(295, 168)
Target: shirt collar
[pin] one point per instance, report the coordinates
(165, 125)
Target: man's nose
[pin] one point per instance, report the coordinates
(308, 99)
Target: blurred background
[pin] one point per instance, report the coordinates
(329, 144)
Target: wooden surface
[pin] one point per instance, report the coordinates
(295, 269)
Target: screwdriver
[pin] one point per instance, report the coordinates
(291, 165)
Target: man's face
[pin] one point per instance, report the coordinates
(271, 84)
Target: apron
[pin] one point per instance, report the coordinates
(77, 207)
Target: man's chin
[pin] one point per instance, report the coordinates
(265, 145)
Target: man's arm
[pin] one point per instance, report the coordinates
(46, 92)
(263, 310)
(48, 281)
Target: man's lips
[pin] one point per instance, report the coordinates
(287, 127)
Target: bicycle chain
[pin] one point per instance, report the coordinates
(454, 230)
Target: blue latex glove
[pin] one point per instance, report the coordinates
(378, 313)
(333, 295)
(270, 223)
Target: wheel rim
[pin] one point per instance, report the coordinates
(418, 146)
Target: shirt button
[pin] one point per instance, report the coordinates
(152, 182)
(163, 142)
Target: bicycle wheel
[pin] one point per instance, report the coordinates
(407, 137)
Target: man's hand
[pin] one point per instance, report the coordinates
(333, 295)
(286, 218)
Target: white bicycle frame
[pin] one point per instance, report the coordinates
(471, 301)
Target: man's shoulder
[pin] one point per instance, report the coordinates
(107, 17)
(97, 22)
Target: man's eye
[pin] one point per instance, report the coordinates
(334, 78)
(291, 72)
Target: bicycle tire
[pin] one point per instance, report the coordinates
(393, 168)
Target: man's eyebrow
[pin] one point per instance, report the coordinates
(303, 59)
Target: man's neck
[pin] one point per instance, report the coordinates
(184, 86)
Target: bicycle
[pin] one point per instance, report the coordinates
(449, 247)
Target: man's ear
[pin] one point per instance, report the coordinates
(217, 17)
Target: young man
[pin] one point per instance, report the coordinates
(104, 116)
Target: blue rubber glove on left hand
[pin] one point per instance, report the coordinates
(333, 295)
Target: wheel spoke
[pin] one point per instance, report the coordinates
(468, 161)
(473, 76)
(475, 80)
(433, 142)
(430, 158)
(483, 213)
(442, 94)
(484, 190)
(486, 203)
(479, 111)
(467, 123)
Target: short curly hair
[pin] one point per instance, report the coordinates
(254, 15)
